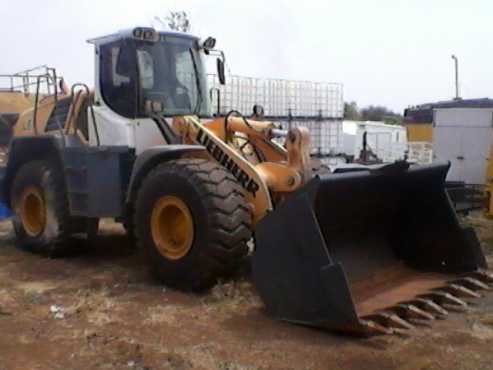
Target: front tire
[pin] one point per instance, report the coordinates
(41, 216)
(192, 221)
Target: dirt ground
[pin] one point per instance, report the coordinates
(98, 309)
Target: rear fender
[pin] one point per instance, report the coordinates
(23, 150)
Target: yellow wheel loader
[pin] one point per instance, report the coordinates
(370, 250)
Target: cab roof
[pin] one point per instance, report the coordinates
(128, 33)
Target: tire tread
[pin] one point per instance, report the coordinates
(230, 220)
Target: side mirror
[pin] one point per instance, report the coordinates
(220, 71)
(209, 43)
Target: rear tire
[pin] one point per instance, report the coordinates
(41, 215)
(202, 231)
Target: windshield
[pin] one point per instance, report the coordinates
(171, 73)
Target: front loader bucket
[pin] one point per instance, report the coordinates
(373, 251)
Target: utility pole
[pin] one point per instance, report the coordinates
(456, 63)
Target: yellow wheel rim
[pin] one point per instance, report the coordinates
(33, 211)
(172, 227)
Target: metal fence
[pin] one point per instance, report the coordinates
(319, 106)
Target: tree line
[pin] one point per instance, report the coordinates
(371, 113)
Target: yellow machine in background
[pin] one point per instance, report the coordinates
(15, 102)
(18, 90)
(419, 123)
(422, 131)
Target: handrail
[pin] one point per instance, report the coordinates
(91, 108)
(60, 127)
(36, 103)
(23, 80)
(53, 79)
(26, 71)
(75, 101)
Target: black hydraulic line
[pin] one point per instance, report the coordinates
(258, 153)
(165, 130)
(238, 114)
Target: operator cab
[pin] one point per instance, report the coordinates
(143, 72)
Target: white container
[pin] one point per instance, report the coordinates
(388, 142)
(463, 136)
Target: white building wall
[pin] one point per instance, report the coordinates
(463, 136)
(388, 142)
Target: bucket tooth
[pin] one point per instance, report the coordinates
(461, 291)
(455, 308)
(420, 322)
(445, 298)
(412, 312)
(391, 320)
(472, 283)
(371, 327)
(430, 306)
(482, 275)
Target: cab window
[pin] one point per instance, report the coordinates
(118, 77)
(146, 68)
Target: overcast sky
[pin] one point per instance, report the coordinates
(388, 52)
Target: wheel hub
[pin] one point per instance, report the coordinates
(33, 211)
(172, 227)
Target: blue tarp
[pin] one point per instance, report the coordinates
(5, 212)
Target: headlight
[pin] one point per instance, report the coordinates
(146, 34)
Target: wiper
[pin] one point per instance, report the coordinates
(196, 111)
